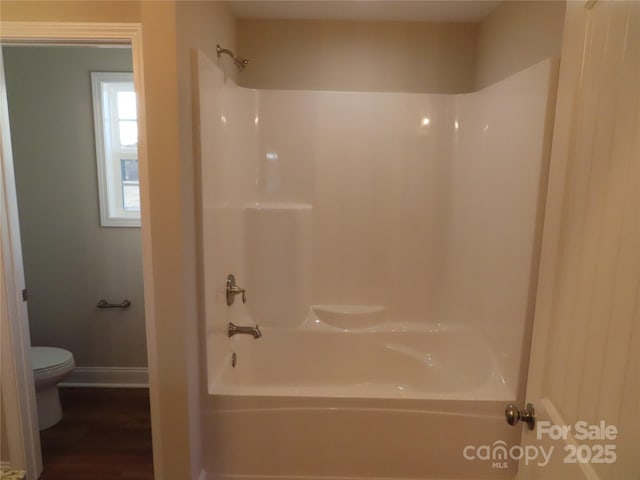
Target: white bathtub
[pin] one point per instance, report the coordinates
(388, 401)
(389, 360)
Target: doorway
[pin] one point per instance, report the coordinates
(18, 393)
(72, 261)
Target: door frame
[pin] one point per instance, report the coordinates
(17, 385)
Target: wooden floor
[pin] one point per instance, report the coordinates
(105, 434)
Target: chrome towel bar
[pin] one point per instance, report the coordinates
(104, 304)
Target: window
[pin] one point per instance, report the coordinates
(116, 129)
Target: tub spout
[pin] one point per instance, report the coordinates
(235, 330)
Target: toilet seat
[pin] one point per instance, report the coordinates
(47, 359)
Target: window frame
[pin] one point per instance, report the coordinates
(110, 183)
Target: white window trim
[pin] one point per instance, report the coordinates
(110, 215)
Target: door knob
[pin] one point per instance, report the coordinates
(528, 415)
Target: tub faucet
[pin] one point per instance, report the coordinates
(235, 330)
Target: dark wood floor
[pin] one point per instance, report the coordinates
(105, 434)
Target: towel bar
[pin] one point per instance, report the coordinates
(104, 304)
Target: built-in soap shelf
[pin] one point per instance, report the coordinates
(350, 316)
(277, 255)
(278, 206)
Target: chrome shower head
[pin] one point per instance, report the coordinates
(239, 62)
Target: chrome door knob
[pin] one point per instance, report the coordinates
(528, 415)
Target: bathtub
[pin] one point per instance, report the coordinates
(388, 360)
(391, 400)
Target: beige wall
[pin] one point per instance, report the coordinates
(70, 261)
(360, 56)
(200, 25)
(399, 56)
(70, 11)
(167, 257)
(517, 35)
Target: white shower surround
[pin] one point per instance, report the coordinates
(429, 205)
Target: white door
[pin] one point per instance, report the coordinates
(18, 388)
(585, 357)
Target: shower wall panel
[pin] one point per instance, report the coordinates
(229, 153)
(497, 187)
(371, 166)
(278, 239)
(426, 204)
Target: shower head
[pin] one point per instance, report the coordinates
(239, 62)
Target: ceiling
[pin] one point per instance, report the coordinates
(388, 10)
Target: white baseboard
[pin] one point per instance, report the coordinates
(107, 377)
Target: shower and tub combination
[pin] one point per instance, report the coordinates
(385, 244)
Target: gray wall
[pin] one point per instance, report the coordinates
(70, 261)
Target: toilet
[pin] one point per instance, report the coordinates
(50, 366)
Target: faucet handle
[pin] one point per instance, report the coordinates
(232, 290)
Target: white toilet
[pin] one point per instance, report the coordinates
(50, 366)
